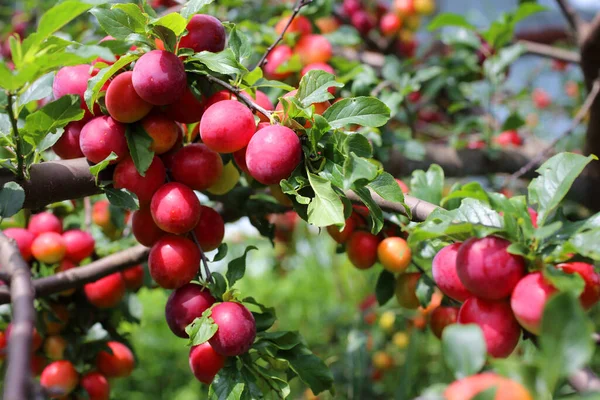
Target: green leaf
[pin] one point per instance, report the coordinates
(326, 208)
(375, 212)
(121, 20)
(358, 144)
(50, 22)
(428, 186)
(386, 186)
(201, 329)
(513, 122)
(265, 319)
(586, 243)
(12, 197)
(237, 267)
(424, 290)
(223, 62)
(464, 349)
(122, 198)
(194, 7)
(172, 21)
(96, 169)
(358, 170)
(139, 143)
(472, 190)
(226, 385)
(221, 252)
(364, 111)
(38, 90)
(310, 369)
(449, 19)
(556, 178)
(479, 213)
(314, 87)
(96, 83)
(526, 10)
(565, 339)
(242, 50)
(564, 282)
(384, 289)
(52, 116)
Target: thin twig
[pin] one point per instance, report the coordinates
(583, 111)
(571, 15)
(241, 96)
(297, 8)
(553, 52)
(204, 259)
(16, 136)
(87, 209)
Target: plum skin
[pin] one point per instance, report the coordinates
(101, 136)
(186, 304)
(445, 275)
(227, 126)
(159, 77)
(237, 329)
(175, 208)
(173, 261)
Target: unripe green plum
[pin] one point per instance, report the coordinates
(406, 287)
(119, 364)
(197, 166)
(175, 208)
(101, 136)
(127, 176)
(159, 77)
(106, 292)
(173, 261)
(122, 101)
(49, 247)
(237, 329)
(273, 154)
(227, 126)
(228, 180)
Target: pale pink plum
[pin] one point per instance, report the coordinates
(67, 147)
(44, 222)
(159, 77)
(106, 292)
(197, 166)
(237, 329)
(273, 153)
(101, 136)
(144, 228)
(591, 290)
(24, 239)
(186, 304)
(205, 362)
(487, 269)
(187, 109)
(175, 208)
(227, 126)
(205, 33)
(210, 230)
(80, 245)
(48, 247)
(122, 101)
(445, 275)
(529, 299)
(313, 48)
(126, 176)
(495, 318)
(277, 57)
(73, 80)
(319, 66)
(173, 261)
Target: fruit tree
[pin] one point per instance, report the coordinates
(461, 191)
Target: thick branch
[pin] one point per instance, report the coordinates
(552, 52)
(420, 209)
(77, 277)
(574, 20)
(18, 374)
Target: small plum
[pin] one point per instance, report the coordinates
(351, 6)
(205, 33)
(144, 228)
(591, 290)
(187, 109)
(237, 329)
(210, 230)
(96, 386)
(127, 176)
(508, 138)
(59, 378)
(122, 101)
(362, 249)
(405, 7)
(73, 80)
(394, 254)
(205, 362)
(24, 239)
(405, 291)
(227, 126)
(328, 24)
(106, 292)
(470, 387)
(487, 269)
(529, 299)
(67, 147)
(119, 364)
(313, 48)
(159, 77)
(444, 273)
(101, 136)
(273, 153)
(163, 131)
(228, 180)
(501, 330)
(56, 319)
(80, 245)
(133, 277)
(363, 21)
(49, 247)
(280, 55)
(541, 98)
(173, 261)
(44, 222)
(262, 100)
(389, 24)
(441, 317)
(197, 166)
(175, 208)
(54, 347)
(319, 66)
(299, 26)
(186, 304)
(342, 236)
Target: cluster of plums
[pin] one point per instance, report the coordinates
(43, 241)
(497, 292)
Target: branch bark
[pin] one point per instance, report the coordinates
(18, 374)
(573, 18)
(552, 52)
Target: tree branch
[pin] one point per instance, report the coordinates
(553, 52)
(573, 18)
(18, 374)
(77, 277)
(297, 8)
(419, 209)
